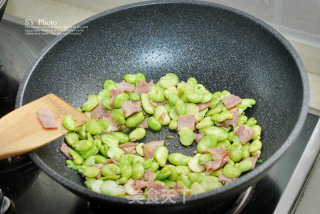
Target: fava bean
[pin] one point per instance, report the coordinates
(83, 145)
(90, 171)
(135, 119)
(245, 165)
(235, 154)
(93, 127)
(73, 165)
(205, 123)
(224, 144)
(146, 104)
(219, 132)
(195, 177)
(192, 81)
(161, 115)
(110, 140)
(191, 108)
(194, 164)
(255, 146)
(100, 159)
(204, 158)
(257, 131)
(216, 98)
(173, 125)
(207, 142)
(77, 159)
(139, 149)
(245, 103)
(120, 99)
(154, 167)
(165, 172)
(106, 102)
(242, 119)
(252, 121)
(90, 161)
(194, 98)
(71, 138)
(225, 93)
(118, 116)
(178, 159)
(222, 116)
(230, 171)
(82, 132)
(169, 80)
(112, 188)
(184, 180)
(122, 137)
(109, 85)
(210, 182)
(245, 151)
(137, 134)
(199, 116)
(69, 123)
(115, 153)
(134, 96)
(183, 170)
(180, 107)
(154, 124)
(156, 94)
(137, 170)
(161, 155)
(91, 102)
(186, 136)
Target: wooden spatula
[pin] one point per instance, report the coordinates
(21, 130)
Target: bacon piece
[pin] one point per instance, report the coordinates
(149, 176)
(125, 87)
(46, 119)
(139, 184)
(186, 121)
(129, 148)
(220, 124)
(149, 148)
(143, 87)
(131, 107)
(99, 166)
(176, 191)
(159, 104)
(253, 159)
(143, 124)
(217, 153)
(225, 179)
(216, 164)
(231, 101)
(203, 106)
(245, 133)
(157, 191)
(65, 149)
(98, 111)
(198, 137)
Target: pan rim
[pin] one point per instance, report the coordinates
(219, 192)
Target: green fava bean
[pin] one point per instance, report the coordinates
(83, 145)
(130, 78)
(205, 123)
(137, 134)
(154, 124)
(72, 165)
(195, 177)
(139, 149)
(235, 154)
(140, 77)
(246, 103)
(122, 137)
(173, 125)
(71, 138)
(245, 165)
(169, 80)
(126, 170)
(230, 171)
(204, 158)
(147, 163)
(100, 159)
(180, 107)
(106, 102)
(82, 132)
(165, 172)
(257, 131)
(242, 119)
(161, 155)
(137, 170)
(216, 98)
(120, 99)
(172, 99)
(186, 136)
(105, 126)
(178, 159)
(135, 119)
(191, 108)
(174, 173)
(255, 146)
(192, 81)
(90, 161)
(109, 85)
(110, 140)
(252, 121)
(199, 116)
(69, 123)
(219, 132)
(77, 159)
(184, 180)
(199, 89)
(112, 188)
(91, 102)
(210, 182)
(215, 110)
(90, 171)
(118, 116)
(245, 151)
(206, 97)
(217, 173)
(224, 144)
(161, 115)
(93, 127)
(115, 153)
(92, 151)
(134, 96)
(194, 98)
(222, 116)
(173, 114)
(183, 170)
(146, 104)
(110, 169)
(207, 142)
(156, 94)
(225, 93)
(154, 166)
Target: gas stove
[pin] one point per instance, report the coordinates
(32, 191)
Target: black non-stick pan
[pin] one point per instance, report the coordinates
(222, 47)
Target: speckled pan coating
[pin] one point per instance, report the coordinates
(222, 47)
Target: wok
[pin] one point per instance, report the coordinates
(222, 47)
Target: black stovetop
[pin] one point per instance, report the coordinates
(34, 192)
